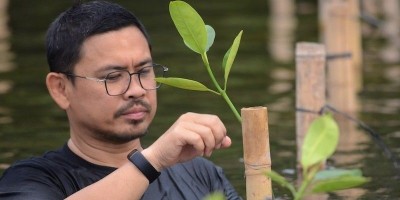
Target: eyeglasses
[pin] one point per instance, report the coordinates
(118, 82)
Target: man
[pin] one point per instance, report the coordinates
(102, 75)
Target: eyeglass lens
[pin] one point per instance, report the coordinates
(118, 82)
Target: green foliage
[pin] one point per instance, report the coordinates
(230, 57)
(210, 37)
(185, 84)
(281, 180)
(215, 196)
(339, 183)
(319, 144)
(199, 37)
(321, 138)
(190, 26)
(337, 179)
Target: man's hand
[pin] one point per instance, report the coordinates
(190, 136)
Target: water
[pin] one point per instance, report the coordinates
(30, 123)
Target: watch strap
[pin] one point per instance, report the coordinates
(143, 165)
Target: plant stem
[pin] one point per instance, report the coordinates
(220, 90)
(307, 180)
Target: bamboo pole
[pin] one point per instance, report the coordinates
(282, 24)
(339, 38)
(370, 8)
(310, 87)
(257, 158)
(391, 30)
(5, 46)
(5, 51)
(354, 38)
(340, 30)
(310, 94)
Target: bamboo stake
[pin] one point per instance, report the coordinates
(341, 79)
(5, 46)
(354, 39)
(282, 24)
(341, 33)
(310, 87)
(257, 156)
(391, 52)
(310, 94)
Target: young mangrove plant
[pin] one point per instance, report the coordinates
(320, 141)
(319, 144)
(199, 38)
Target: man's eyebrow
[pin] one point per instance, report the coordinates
(143, 63)
(110, 67)
(117, 67)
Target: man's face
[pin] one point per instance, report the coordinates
(95, 114)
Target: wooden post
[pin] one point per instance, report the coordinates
(257, 158)
(310, 88)
(340, 30)
(391, 30)
(341, 35)
(5, 46)
(354, 35)
(5, 53)
(282, 24)
(370, 8)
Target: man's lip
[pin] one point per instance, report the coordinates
(135, 110)
(135, 113)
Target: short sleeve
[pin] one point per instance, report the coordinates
(29, 182)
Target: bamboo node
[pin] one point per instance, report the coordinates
(256, 169)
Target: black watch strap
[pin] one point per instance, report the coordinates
(143, 165)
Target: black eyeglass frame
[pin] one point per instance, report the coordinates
(165, 69)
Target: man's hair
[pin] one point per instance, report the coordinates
(71, 28)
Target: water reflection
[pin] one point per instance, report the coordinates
(5, 60)
(5, 54)
(5, 66)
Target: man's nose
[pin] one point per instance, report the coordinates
(135, 88)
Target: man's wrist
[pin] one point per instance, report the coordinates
(149, 155)
(142, 163)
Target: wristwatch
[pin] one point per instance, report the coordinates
(143, 165)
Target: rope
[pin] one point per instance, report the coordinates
(374, 135)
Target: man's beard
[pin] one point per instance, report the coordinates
(124, 137)
(119, 138)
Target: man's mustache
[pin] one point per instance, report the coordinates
(128, 106)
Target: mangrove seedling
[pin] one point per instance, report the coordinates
(322, 136)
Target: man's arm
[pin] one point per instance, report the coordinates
(190, 136)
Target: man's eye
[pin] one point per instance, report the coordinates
(115, 76)
(145, 71)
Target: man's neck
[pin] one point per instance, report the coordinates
(103, 154)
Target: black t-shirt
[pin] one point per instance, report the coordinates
(58, 174)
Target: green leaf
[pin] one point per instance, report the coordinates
(334, 173)
(340, 183)
(277, 178)
(230, 57)
(210, 37)
(185, 84)
(320, 141)
(215, 196)
(225, 59)
(190, 25)
(280, 179)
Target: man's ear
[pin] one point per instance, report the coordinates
(57, 85)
